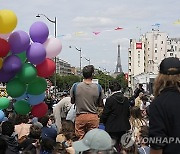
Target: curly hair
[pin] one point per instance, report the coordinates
(163, 81)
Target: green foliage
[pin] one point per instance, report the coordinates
(64, 82)
(121, 78)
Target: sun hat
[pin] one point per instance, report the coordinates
(170, 66)
(95, 139)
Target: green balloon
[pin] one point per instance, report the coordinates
(15, 88)
(28, 73)
(4, 103)
(22, 107)
(22, 56)
(37, 87)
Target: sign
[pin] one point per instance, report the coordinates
(95, 81)
(126, 76)
(138, 45)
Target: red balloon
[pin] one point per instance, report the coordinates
(39, 110)
(46, 68)
(4, 47)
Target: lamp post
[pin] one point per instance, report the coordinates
(80, 56)
(55, 34)
(89, 60)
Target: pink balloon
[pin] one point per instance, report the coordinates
(53, 47)
(5, 36)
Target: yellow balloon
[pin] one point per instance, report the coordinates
(1, 63)
(8, 21)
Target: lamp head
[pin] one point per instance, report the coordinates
(38, 16)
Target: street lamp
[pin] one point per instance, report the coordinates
(55, 34)
(80, 56)
(89, 60)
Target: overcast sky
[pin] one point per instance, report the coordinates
(77, 19)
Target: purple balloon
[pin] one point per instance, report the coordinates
(12, 64)
(36, 53)
(39, 32)
(19, 41)
(5, 77)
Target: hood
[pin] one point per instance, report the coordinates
(11, 140)
(119, 97)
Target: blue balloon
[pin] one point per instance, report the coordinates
(1, 115)
(24, 96)
(35, 99)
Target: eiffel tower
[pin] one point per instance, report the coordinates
(118, 66)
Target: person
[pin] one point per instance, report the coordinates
(138, 100)
(138, 90)
(22, 128)
(87, 99)
(164, 110)
(47, 131)
(7, 135)
(94, 141)
(64, 103)
(144, 145)
(116, 114)
(32, 139)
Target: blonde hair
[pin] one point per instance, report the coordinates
(162, 81)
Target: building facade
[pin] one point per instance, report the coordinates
(63, 67)
(145, 55)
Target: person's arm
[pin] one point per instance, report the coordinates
(152, 151)
(72, 95)
(106, 111)
(157, 127)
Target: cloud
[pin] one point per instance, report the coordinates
(92, 22)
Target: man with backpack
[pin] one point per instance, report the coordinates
(87, 96)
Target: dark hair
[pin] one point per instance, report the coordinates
(44, 120)
(136, 112)
(88, 71)
(35, 132)
(7, 128)
(67, 126)
(47, 145)
(21, 119)
(115, 86)
(71, 136)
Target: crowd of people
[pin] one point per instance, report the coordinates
(81, 122)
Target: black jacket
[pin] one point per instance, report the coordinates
(12, 144)
(164, 120)
(115, 115)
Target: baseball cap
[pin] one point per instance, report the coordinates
(95, 139)
(170, 66)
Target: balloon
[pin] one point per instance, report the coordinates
(28, 73)
(5, 36)
(1, 115)
(8, 21)
(4, 47)
(24, 96)
(39, 110)
(22, 107)
(19, 41)
(15, 88)
(5, 77)
(46, 68)
(36, 99)
(37, 87)
(12, 64)
(4, 103)
(1, 63)
(36, 53)
(53, 47)
(39, 32)
(22, 56)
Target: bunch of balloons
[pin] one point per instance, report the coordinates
(26, 59)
